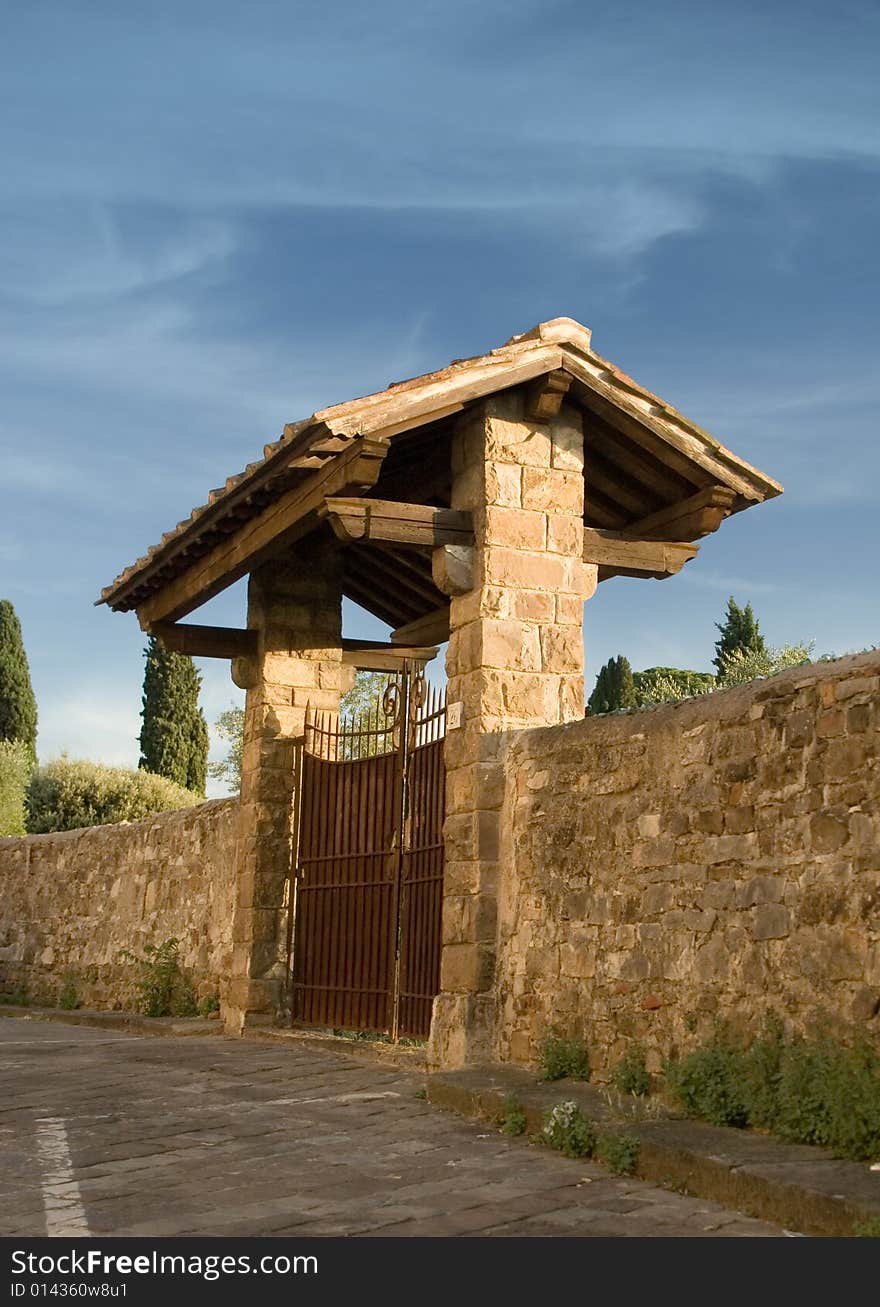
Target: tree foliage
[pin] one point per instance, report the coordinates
(230, 727)
(614, 687)
(745, 665)
(662, 684)
(16, 765)
(738, 631)
(18, 707)
(174, 735)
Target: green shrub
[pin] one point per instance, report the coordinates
(210, 1003)
(15, 998)
(620, 1153)
(162, 988)
(630, 1075)
(867, 1229)
(68, 997)
(564, 1057)
(710, 1083)
(16, 765)
(830, 1095)
(514, 1119)
(67, 795)
(805, 1091)
(569, 1131)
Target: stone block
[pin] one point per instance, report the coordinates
(772, 921)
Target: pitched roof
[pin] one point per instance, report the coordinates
(305, 446)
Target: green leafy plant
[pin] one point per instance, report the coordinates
(67, 795)
(867, 1229)
(513, 1121)
(807, 1091)
(210, 1003)
(568, 1131)
(16, 766)
(16, 997)
(162, 988)
(709, 1083)
(620, 1153)
(631, 1075)
(564, 1057)
(68, 996)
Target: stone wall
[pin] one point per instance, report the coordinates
(708, 859)
(69, 902)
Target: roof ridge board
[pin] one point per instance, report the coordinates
(494, 361)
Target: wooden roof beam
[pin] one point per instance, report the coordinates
(618, 554)
(362, 521)
(206, 641)
(272, 530)
(379, 656)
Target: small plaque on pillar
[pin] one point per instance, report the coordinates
(453, 716)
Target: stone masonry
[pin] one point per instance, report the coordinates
(515, 659)
(295, 604)
(69, 902)
(713, 859)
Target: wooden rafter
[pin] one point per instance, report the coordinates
(278, 525)
(433, 627)
(689, 519)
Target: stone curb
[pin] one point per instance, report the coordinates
(405, 1057)
(397, 1055)
(131, 1022)
(797, 1186)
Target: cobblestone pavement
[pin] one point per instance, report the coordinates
(111, 1134)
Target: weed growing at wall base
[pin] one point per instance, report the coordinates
(806, 1091)
(162, 988)
(513, 1121)
(564, 1057)
(620, 1153)
(568, 1131)
(630, 1075)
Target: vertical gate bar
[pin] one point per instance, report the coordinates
(294, 859)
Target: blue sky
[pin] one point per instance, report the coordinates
(215, 218)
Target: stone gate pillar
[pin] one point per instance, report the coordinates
(515, 660)
(295, 604)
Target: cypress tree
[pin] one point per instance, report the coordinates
(18, 707)
(739, 630)
(614, 687)
(174, 735)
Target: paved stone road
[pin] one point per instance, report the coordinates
(111, 1134)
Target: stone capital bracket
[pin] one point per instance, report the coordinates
(245, 673)
(452, 567)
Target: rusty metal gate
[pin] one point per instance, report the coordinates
(368, 869)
